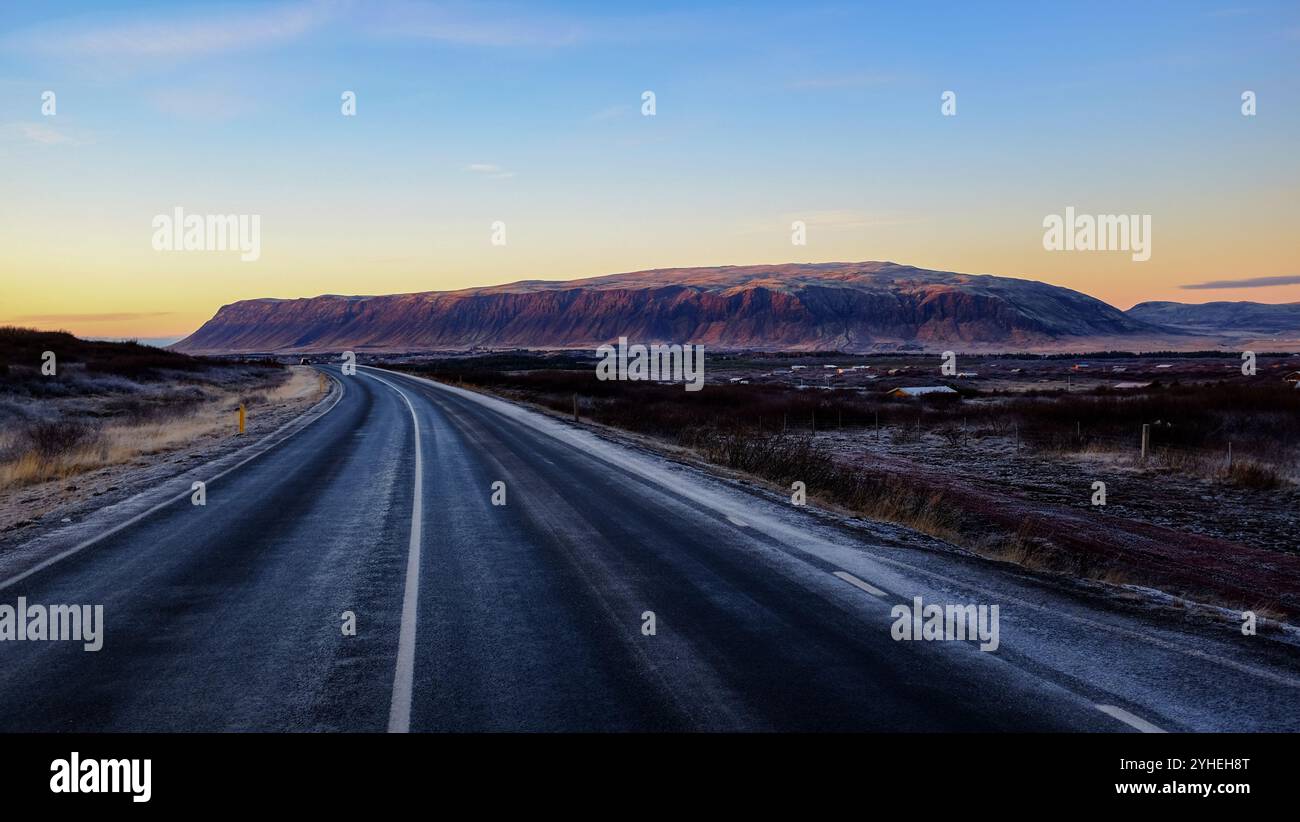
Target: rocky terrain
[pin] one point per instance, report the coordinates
(872, 306)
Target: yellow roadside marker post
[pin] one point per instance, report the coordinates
(241, 418)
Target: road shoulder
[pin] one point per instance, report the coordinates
(134, 491)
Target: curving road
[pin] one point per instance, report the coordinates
(530, 615)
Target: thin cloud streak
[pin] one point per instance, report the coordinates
(611, 113)
(509, 27)
(39, 133)
(178, 38)
(1247, 282)
(490, 170)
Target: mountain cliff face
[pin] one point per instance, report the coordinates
(824, 306)
(1221, 317)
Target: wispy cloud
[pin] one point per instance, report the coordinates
(203, 104)
(39, 133)
(611, 113)
(195, 34)
(490, 170)
(176, 37)
(1247, 282)
(496, 26)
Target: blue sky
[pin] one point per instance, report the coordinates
(530, 114)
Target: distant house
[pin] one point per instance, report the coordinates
(1119, 368)
(1164, 365)
(1126, 385)
(798, 367)
(920, 391)
(1294, 377)
(967, 374)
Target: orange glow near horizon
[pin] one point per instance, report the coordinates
(752, 132)
(124, 291)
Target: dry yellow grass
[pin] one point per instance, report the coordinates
(1245, 471)
(1268, 611)
(1114, 576)
(1018, 548)
(934, 517)
(120, 444)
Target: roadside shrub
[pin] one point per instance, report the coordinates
(777, 457)
(50, 440)
(1255, 475)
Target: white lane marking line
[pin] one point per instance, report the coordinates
(399, 711)
(1129, 719)
(857, 583)
(737, 521)
(81, 546)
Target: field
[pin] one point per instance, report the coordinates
(1007, 466)
(115, 415)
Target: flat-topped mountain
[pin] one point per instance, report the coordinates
(868, 306)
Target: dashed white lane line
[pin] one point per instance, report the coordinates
(399, 711)
(635, 465)
(737, 521)
(1130, 720)
(857, 583)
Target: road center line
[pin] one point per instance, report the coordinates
(399, 711)
(1129, 719)
(857, 583)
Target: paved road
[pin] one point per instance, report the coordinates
(530, 615)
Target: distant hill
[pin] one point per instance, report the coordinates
(21, 351)
(1221, 317)
(870, 306)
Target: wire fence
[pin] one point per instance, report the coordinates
(1158, 451)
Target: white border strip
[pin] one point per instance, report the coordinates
(1129, 719)
(399, 711)
(857, 583)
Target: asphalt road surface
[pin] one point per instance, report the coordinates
(535, 614)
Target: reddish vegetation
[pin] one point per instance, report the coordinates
(1089, 544)
(1196, 545)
